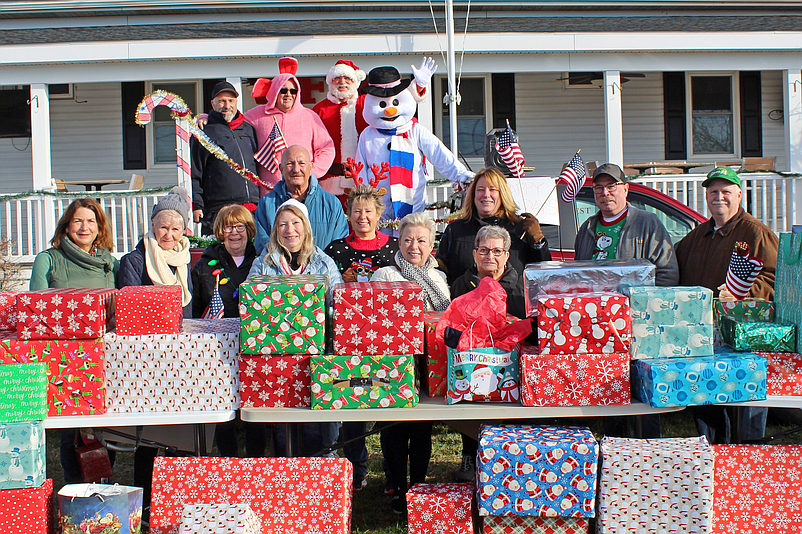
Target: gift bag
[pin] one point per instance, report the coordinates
(88, 508)
(787, 297)
(483, 374)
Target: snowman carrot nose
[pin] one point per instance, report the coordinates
(390, 112)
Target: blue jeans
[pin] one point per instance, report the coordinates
(715, 422)
(225, 436)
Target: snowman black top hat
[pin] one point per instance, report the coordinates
(384, 82)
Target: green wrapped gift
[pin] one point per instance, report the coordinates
(379, 381)
(282, 314)
(749, 308)
(23, 392)
(762, 336)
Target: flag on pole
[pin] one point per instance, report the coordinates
(215, 309)
(574, 176)
(507, 147)
(269, 155)
(743, 270)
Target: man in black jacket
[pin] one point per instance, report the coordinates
(214, 183)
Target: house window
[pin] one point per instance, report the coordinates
(163, 122)
(713, 116)
(471, 116)
(15, 110)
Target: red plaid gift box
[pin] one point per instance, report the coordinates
(435, 358)
(758, 489)
(574, 379)
(277, 381)
(783, 373)
(378, 318)
(440, 508)
(8, 310)
(521, 524)
(584, 323)
(65, 313)
(290, 495)
(76, 379)
(142, 310)
(28, 510)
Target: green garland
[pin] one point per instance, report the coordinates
(84, 194)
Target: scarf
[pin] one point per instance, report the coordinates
(237, 121)
(158, 262)
(101, 261)
(367, 244)
(420, 275)
(402, 162)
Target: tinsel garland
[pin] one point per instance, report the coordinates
(394, 223)
(84, 194)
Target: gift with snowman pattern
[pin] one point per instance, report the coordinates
(375, 381)
(22, 455)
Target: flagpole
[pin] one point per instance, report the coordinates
(452, 81)
(279, 127)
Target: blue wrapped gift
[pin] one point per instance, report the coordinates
(670, 305)
(537, 471)
(22, 455)
(717, 379)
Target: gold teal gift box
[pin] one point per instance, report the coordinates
(376, 381)
(281, 314)
(750, 335)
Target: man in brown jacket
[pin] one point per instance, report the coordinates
(704, 258)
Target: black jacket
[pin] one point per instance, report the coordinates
(214, 183)
(203, 281)
(509, 281)
(134, 273)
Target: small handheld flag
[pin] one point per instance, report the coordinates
(215, 309)
(269, 155)
(507, 147)
(574, 176)
(743, 271)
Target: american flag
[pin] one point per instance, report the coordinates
(215, 309)
(507, 147)
(743, 270)
(270, 153)
(574, 175)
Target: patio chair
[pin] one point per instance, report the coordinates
(61, 187)
(734, 165)
(759, 164)
(136, 216)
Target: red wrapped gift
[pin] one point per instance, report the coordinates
(275, 381)
(28, 510)
(522, 524)
(783, 373)
(8, 310)
(144, 310)
(290, 495)
(76, 379)
(65, 313)
(584, 323)
(435, 358)
(757, 489)
(574, 379)
(439, 508)
(378, 318)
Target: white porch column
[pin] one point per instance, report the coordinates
(237, 83)
(426, 119)
(40, 161)
(792, 102)
(614, 128)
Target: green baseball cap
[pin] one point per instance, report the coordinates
(724, 173)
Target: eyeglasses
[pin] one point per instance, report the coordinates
(292, 91)
(610, 187)
(484, 251)
(239, 228)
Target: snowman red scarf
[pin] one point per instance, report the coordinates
(402, 161)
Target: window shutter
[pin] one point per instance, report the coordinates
(674, 115)
(134, 142)
(503, 99)
(208, 87)
(751, 121)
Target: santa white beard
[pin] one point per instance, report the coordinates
(342, 95)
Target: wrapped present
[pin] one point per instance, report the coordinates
(8, 310)
(377, 381)
(763, 336)
(583, 323)
(378, 318)
(99, 508)
(219, 518)
(748, 308)
(439, 508)
(518, 524)
(783, 373)
(23, 392)
(671, 341)
(289, 495)
(197, 369)
(22, 455)
(283, 314)
(715, 379)
(554, 277)
(757, 489)
(146, 310)
(275, 381)
(75, 372)
(434, 368)
(678, 306)
(537, 470)
(483, 375)
(29, 509)
(65, 313)
(655, 485)
(574, 379)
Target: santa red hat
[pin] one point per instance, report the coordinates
(345, 68)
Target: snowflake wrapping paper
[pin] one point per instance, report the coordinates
(65, 313)
(146, 310)
(743, 334)
(574, 379)
(29, 509)
(100, 509)
(748, 308)
(8, 310)
(783, 373)
(537, 470)
(275, 381)
(290, 495)
(283, 314)
(516, 524)
(378, 318)
(197, 369)
(22, 455)
(434, 368)
(377, 381)
(583, 323)
(719, 379)
(23, 392)
(76, 379)
(655, 486)
(440, 509)
(758, 489)
(219, 518)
